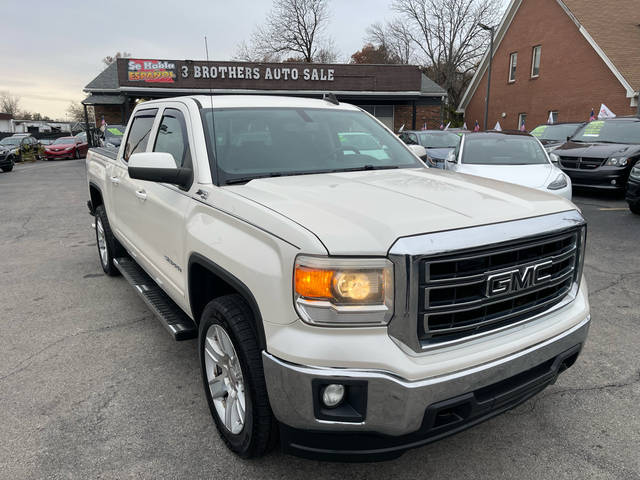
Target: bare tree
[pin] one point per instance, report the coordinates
(75, 110)
(109, 59)
(293, 29)
(9, 103)
(447, 36)
(396, 38)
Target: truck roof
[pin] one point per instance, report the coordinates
(257, 101)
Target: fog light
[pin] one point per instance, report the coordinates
(332, 395)
(613, 182)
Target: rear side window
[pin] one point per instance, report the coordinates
(172, 137)
(139, 132)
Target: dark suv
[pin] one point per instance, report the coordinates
(601, 154)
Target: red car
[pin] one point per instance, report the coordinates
(66, 147)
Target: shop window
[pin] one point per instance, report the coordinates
(384, 113)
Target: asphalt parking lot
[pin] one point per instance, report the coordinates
(91, 385)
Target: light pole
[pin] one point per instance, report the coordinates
(486, 103)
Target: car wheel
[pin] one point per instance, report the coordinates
(7, 169)
(76, 155)
(108, 246)
(233, 377)
(635, 208)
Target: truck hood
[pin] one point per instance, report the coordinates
(595, 150)
(364, 213)
(534, 176)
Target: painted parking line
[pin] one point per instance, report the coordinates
(613, 209)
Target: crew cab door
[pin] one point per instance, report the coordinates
(121, 189)
(160, 208)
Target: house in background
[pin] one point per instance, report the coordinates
(5, 122)
(559, 57)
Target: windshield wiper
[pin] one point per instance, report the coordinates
(238, 180)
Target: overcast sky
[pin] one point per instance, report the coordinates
(52, 49)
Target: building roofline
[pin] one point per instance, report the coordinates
(511, 11)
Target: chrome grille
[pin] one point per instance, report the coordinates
(453, 293)
(582, 163)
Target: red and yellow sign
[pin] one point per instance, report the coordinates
(153, 71)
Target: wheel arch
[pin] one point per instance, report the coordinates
(95, 195)
(207, 281)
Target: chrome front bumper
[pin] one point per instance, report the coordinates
(397, 407)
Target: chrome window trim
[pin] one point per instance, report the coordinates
(407, 252)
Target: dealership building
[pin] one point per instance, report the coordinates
(396, 94)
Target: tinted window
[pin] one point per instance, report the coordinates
(255, 142)
(172, 137)
(439, 140)
(502, 150)
(139, 133)
(555, 132)
(613, 131)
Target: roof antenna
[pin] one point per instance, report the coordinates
(331, 98)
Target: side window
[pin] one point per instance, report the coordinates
(139, 132)
(172, 137)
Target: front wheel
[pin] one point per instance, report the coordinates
(7, 169)
(635, 208)
(233, 377)
(76, 155)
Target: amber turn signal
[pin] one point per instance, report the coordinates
(312, 282)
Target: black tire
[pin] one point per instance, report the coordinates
(113, 247)
(76, 155)
(259, 433)
(635, 208)
(7, 169)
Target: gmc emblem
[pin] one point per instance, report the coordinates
(519, 279)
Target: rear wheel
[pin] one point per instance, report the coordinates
(108, 246)
(233, 377)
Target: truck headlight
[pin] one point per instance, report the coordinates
(616, 162)
(559, 183)
(635, 171)
(343, 291)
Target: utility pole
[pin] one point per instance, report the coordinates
(486, 103)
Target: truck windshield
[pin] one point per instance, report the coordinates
(253, 143)
(497, 149)
(609, 131)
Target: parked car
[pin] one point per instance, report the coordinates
(66, 147)
(514, 157)
(601, 154)
(349, 306)
(7, 155)
(633, 189)
(22, 147)
(437, 142)
(113, 136)
(553, 136)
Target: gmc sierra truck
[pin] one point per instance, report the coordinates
(349, 302)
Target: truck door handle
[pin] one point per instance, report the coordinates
(115, 180)
(141, 194)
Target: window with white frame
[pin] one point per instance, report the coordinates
(535, 61)
(553, 114)
(522, 121)
(513, 63)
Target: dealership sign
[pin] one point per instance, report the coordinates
(234, 76)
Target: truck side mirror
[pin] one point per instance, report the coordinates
(159, 167)
(419, 151)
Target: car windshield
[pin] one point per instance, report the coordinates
(267, 142)
(439, 140)
(10, 141)
(555, 132)
(609, 131)
(64, 140)
(502, 150)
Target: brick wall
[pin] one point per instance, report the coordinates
(112, 114)
(573, 78)
(403, 115)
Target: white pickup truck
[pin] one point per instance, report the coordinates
(348, 301)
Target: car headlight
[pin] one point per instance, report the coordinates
(343, 291)
(558, 183)
(554, 158)
(635, 171)
(617, 162)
